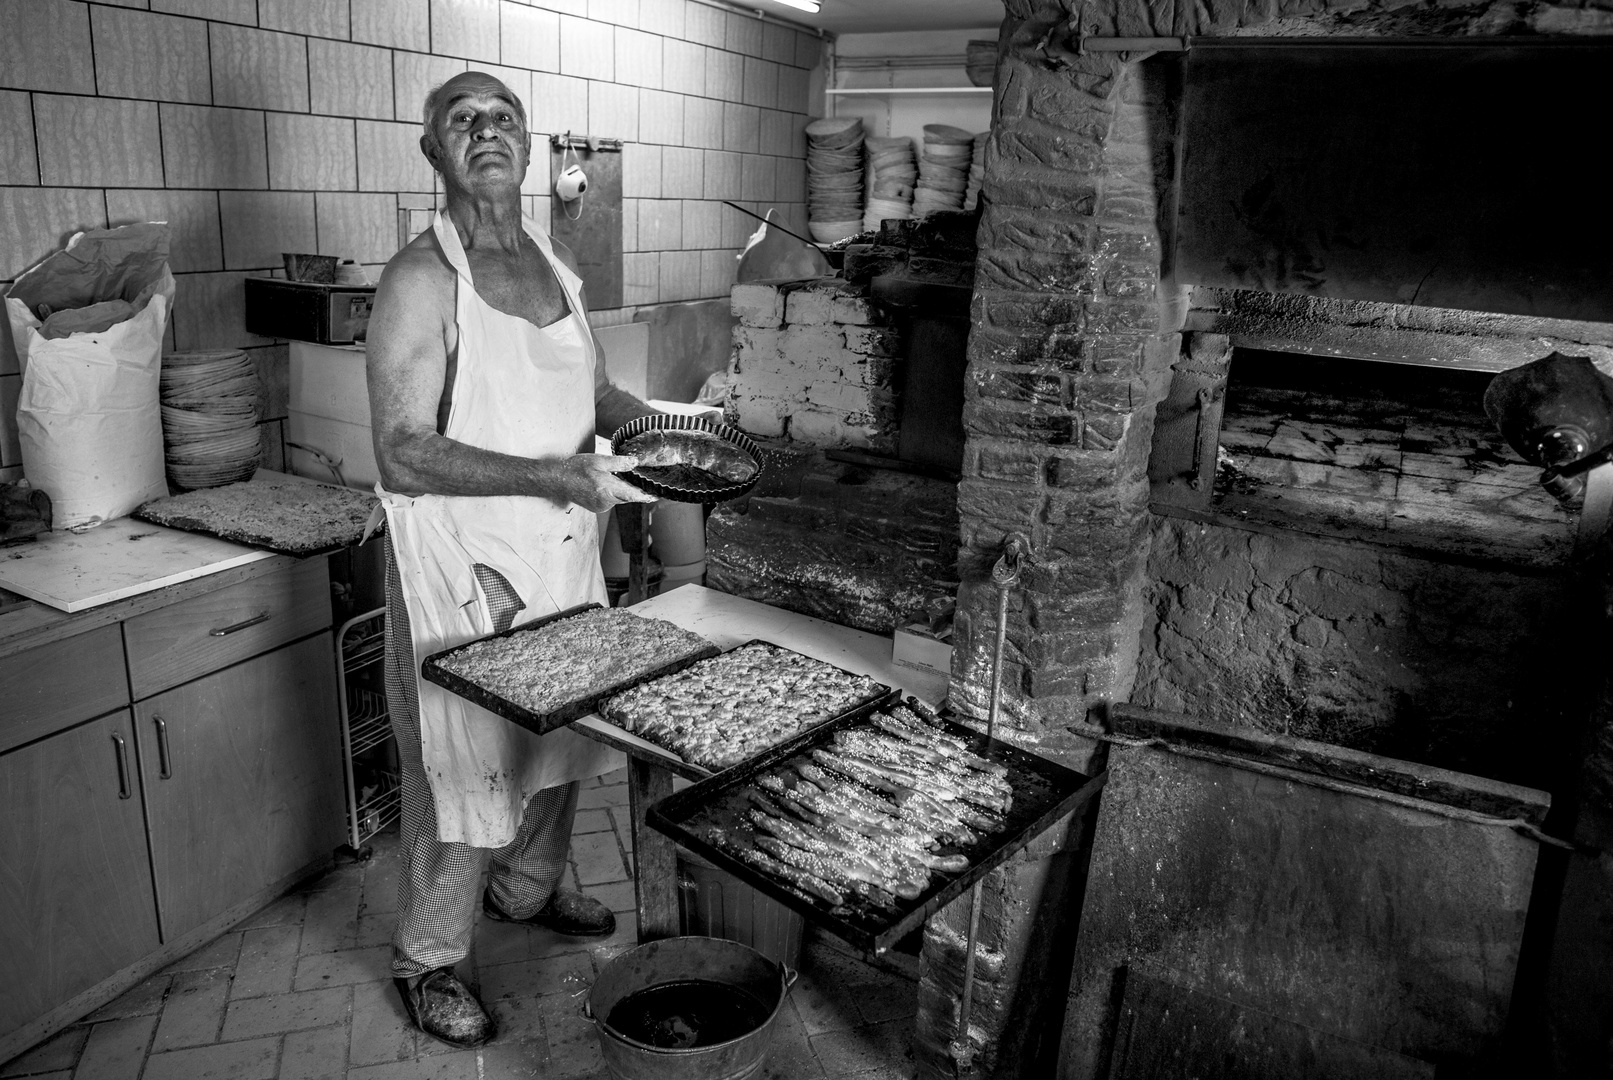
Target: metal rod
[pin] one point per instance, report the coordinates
(1004, 573)
(772, 224)
(1133, 44)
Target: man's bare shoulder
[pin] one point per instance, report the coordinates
(419, 269)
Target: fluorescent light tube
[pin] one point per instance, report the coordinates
(803, 5)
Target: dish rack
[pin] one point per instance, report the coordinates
(370, 755)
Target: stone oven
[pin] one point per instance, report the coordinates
(1239, 507)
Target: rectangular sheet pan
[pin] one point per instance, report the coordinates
(542, 723)
(632, 743)
(1044, 792)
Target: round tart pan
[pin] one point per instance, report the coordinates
(712, 494)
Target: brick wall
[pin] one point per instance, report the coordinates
(261, 126)
(814, 363)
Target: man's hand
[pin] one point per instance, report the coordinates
(591, 482)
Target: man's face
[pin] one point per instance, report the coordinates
(481, 141)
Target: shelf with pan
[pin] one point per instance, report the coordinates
(882, 91)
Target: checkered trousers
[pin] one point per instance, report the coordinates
(438, 882)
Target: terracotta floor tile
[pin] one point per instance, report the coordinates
(863, 1049)
(597, 858)
(143, 999)
(380, 1027)
(375, 928)
(615, 776)
(573, 1043)
(221, 953)
(791, 1059)
(332, 920)
(823, 1010)
(286, 911)
(566, 974)
(256, 1059)
(343, 968)
(268, 961)
(60, 1051)
(601, 797)
(280, 1013)
(895, 1000)
(519, 1019)
(619, 896)
(116, 1050)
(315, 1055)
(515, 1060)
(502, 942)
(589, 821)
(193, 1010)
(459, 1065)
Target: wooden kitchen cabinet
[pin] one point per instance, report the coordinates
(105, 876)
(75, 881)
(242, 777)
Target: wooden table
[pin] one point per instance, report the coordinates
(727, 621)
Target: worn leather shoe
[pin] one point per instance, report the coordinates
(443, 1007)
(566, 912)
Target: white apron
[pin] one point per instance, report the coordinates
(524, 390)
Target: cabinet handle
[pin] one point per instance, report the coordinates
(123, 766)
(262, 616)
(163, 770)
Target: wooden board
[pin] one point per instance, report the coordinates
(123, 557)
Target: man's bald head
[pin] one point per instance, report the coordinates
(465, 84)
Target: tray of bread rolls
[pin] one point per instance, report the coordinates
(869, 824)
(556, 669)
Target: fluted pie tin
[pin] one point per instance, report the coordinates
(715, 493)
(677, 960)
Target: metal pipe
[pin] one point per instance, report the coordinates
(1004, 573)
(1133, 44)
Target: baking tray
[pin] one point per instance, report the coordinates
(542, 723)
(677, 422)
(1044, 792)
(635, 744)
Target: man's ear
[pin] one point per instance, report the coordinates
(430, 147)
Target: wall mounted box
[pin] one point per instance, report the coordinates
(308, 311)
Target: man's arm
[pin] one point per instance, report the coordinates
(407, 363)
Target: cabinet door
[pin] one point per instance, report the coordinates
(243, 780)
(75, 883)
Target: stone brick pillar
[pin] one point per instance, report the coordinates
(1071, 347)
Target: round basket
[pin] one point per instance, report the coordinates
(714, 494)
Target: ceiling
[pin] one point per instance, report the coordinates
(883, 16)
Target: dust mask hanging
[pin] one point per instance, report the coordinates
(572, 182)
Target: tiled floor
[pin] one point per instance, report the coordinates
(301, 991)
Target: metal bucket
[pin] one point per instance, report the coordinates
(676, 960)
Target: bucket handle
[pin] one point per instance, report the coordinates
(787, 976)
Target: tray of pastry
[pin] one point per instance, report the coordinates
(869, 824)
(551, 671)
(721, 711)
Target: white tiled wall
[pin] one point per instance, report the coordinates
(260, 126)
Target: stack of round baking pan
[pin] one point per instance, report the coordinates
(209, 418)
(891, 175)
(834, 178)
(943, 169)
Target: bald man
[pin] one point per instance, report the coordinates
(486, 390)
